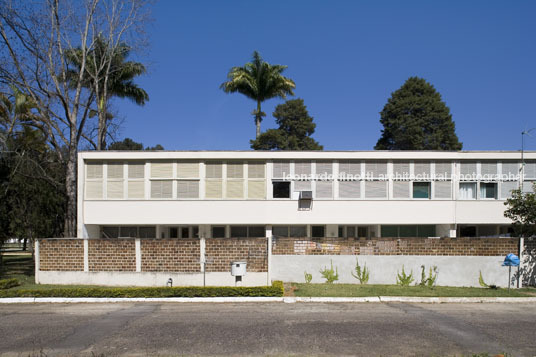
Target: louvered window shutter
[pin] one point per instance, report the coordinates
(324, 189)
(115, 190)
(350, 167)
(488, 168)
(115, 170)
(302, 168)
(162, 169)
(188, 169)
(280, 169)
(256, 169)
(324, 167)
(527, 186)
(510, 169)
(468, 168)
(443, 170)
(349, 189)
(235, 170)
(213, 189)
(94, 170)
(94, 189)
(507, 187)
(136, 189)
(401, 189)
(256, 189)
(161, 189)
(213, 169)
(376, 169)
(443, 189)
(530, 169)
(136, 170)
(422, 168)
(235, 189)
(188, 189)
(302, 185)
(400, 168)
(375, 189)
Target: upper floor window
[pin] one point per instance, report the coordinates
(421, 190)
(467, 191)
(488, 190)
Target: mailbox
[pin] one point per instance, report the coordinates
(238, 268)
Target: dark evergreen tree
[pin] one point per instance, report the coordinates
(294, 132)
(415, 118)
(129, 144)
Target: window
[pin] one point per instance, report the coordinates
(161, 189)
(488, 190)
(421, 189)
(281, 189)
(247, 231)
(188, 189)
(467, 191)
(280, 169)
(109, 232)
(218, 232)
(442, 189)
(94, 182)
(375, 189)
(290, 231)
(185, 232)
(147, 232)
(280, 231)
(401, 189)
(507, 187)
(128, 232)
(256, 185)
(348, 167)
(214, 182)
(421, 170)
(467, 231)
(468, 169)
(114, 187)
(318, 231)
(408, 231)
(324, 189)
(136, 182)
(173, 232)
(349, 189)
(362, 231)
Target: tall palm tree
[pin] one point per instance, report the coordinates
(260, 81)
(15, 108)
(108, 75)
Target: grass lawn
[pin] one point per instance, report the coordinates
(353, 290)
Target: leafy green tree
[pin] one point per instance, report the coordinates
(108, 74)
(522, 211)
(129, 144)
(295, 129)
(415, 118)
(260, 81)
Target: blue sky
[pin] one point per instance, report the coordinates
(346, 58)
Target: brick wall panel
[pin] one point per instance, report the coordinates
(170, 255)
(61, 254)
(220, 252)
(112, 254)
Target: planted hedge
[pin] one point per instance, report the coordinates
(159, 292)
(8, 283)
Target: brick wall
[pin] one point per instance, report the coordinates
(170, 255)
(220, 252)
(61, 254)
(112, 255)
(395, 246)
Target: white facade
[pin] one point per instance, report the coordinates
(248, 193)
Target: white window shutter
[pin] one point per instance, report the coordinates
(401, 189)
(507, 187)
(213, 189)
(443, 169)
(115, 170)
(94, 190)
(136, 170)
(161, 189)
(256, 189)
(510, 169)
(376, 169)
(468, 168)
(324, 167)
(136, 189)
(530, 169)
(488, 168)
(213, 169)
(350, 167)
(114, 190)
(256, 169)
(235, 169)
(349, 189)
(443, 189)
(94, 170)
(422, 168)
(235, 189)
(188, 189)
(280, 169)
(188, 169)
(324, 189)
(162, 169)
(302, 185)
(302, 168)
(375, 189)
(401, 168)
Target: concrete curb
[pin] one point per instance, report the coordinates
(290, 300)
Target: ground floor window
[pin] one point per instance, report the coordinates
(218, 231)
(128, 232)
(318, 231)
(408, 231)
(290, 231)
(353, 231)
(248, 231)
(184, 232)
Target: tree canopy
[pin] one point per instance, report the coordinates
(295, 129)
(260, 81)
(522, 211)
(415, 118)
(129, 144)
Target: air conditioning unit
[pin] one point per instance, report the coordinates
(306, 195)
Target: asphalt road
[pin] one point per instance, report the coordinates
(367, 329)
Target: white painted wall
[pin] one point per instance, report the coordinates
(453, 270)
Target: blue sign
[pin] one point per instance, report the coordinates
(511, 260)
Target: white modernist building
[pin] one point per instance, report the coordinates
(179, 194)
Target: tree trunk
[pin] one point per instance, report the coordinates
(258, 119)
(70, 185)
(101, 139)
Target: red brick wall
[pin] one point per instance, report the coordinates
(395, 246)
(222, 251)
(112, 255)
(61, 254)
(170, 255)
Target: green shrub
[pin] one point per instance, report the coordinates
(329, 274)
(308, 277)
(431, 279)
(8, 283)
(403, 279)
(151, 292)
(361, 274)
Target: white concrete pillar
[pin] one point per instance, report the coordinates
(520, 268)
(36, 253)
(138, 254)
(86, 255)
(202, 251)
(269, 253)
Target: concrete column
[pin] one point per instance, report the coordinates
(521, 267)
(269, 253)
(202, 253)
(138, 255)
(36, 253)
(86, 255)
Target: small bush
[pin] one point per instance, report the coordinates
(361, 274)
(8, 283)
(403, 279)
(330, 274)
(151, 292)
(308, 277)
(431, 279)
